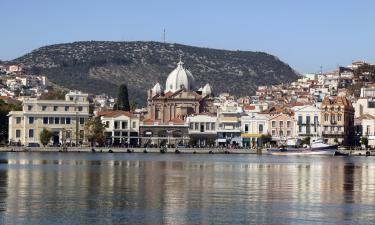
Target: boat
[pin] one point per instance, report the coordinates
(318, 147)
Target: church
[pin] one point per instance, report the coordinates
(168, 108)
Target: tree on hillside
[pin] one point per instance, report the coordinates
(133, 105)
(45, 136)
(94, 130)
(122, 99)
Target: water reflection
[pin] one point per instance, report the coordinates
(184, 189)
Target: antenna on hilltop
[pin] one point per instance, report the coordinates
(164, 35)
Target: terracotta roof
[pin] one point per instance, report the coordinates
(148, 120)
(115, 113)
(248, 107)
(176, 121)
(168, 94)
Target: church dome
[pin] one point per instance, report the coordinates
(207, 90)
(156, 90)
(179, 78)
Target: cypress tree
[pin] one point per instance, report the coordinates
(123, 98)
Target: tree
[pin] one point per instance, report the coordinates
(94, 130)
(5, 108)
(364, 141)
(265, 139)
(45, 136)
(55, 94)
(133, 105)
(306, 141)
(122, 99)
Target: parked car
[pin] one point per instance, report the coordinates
(33, 145)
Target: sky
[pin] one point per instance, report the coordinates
(306, 34)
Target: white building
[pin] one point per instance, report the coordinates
(253, 126)
(121, 128)
(308, 118)
(64, 118)
(202, 129)
(229, 123)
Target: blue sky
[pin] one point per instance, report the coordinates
(305, 34)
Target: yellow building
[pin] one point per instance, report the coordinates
(64, 118)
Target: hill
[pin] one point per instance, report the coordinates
(100, 66)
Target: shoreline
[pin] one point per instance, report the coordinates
(135, 150)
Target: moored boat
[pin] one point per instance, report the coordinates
(318, 147)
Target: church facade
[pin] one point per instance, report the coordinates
(168, 109)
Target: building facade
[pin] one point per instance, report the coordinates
(253, 126)
(337, 116)
(202, 130)
(64, 118)
(307, 121)
(121, 128)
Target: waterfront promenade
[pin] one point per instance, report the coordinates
(352, 152)
(135, 150)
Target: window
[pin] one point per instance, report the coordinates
(281, 124)
(196, 126)
(191, 125)
(44, 108)
(332, 128)
(71, 99)
(81, 134)
(124, 124)
(134, 124)
(273, 132)
(260, 128)
(106, 124)
(18, 133)
(213, 126)
(31, 133)
(18, 120)
(45, 120)
(281, 133)
(81, 120)
(246, 128)
(332, 118)
(116, 125)
(326, 117)
(288, 124)
(68, 119)
(29, 107)
(273, 123)
(124, 134)
(66, 108)
(55, 108)
(50, 120)
(62, 120)
(300, 129)
(299, 120)
(207, 126)
(339, 117)
(288, 133)
(80, 108)
(31, 120)
(308, 120)
(57, 120)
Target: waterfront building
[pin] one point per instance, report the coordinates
(307, 121)
(281, 123)
(121, 128)
(202, 129)
(337, 116)
(64, 118)
(253, 126)
(169, 109)
(365, 129)
(229, 123)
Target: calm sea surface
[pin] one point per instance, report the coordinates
(86, 188)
